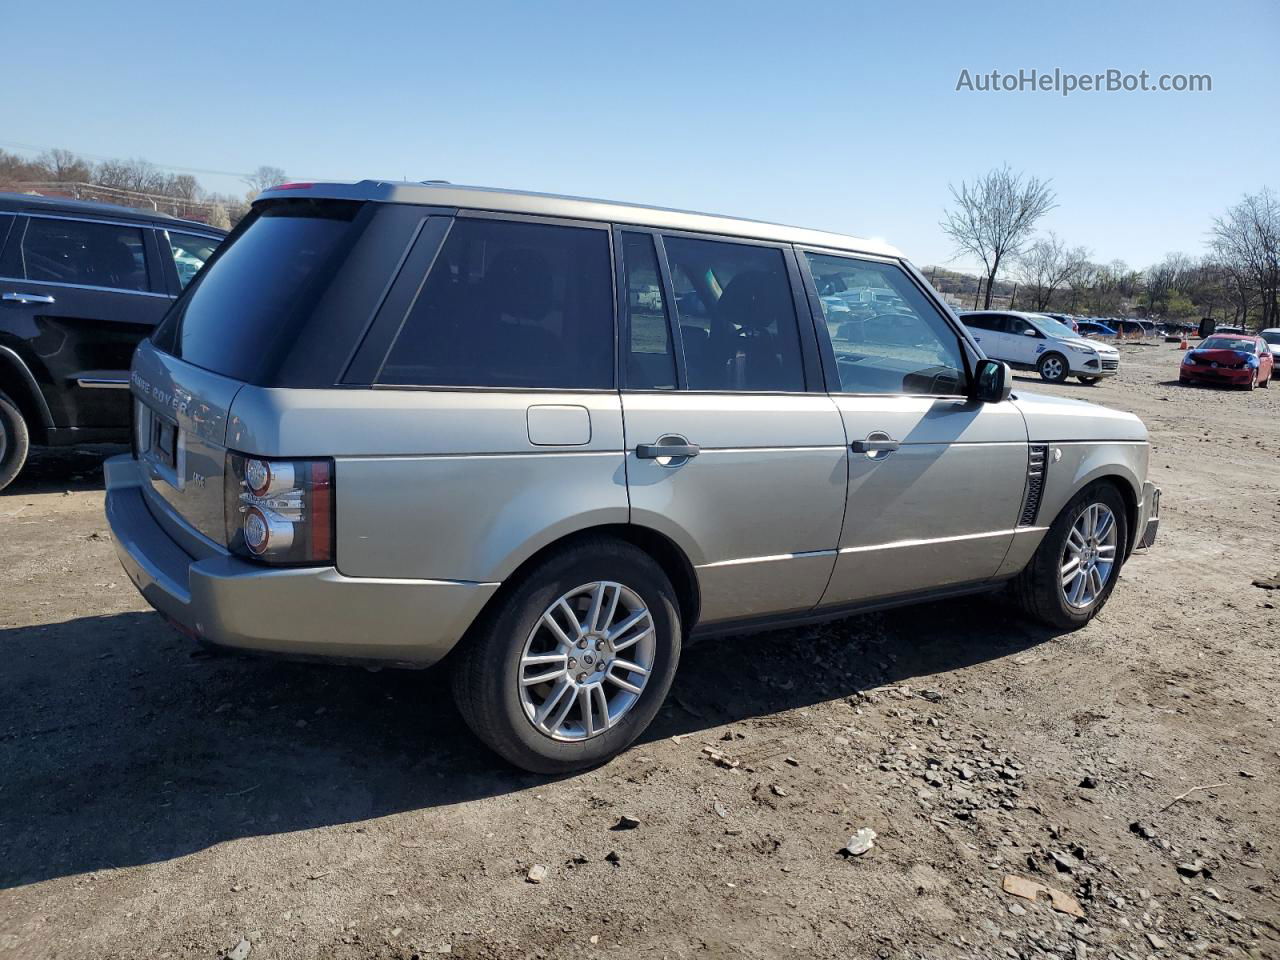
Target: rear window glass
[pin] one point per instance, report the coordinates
(510, 304)
(259, 287)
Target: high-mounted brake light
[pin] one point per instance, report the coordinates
(292, 186)
(279, 511)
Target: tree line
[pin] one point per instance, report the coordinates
(994, 219)
(132, 183)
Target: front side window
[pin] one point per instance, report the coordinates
(889, 338)
(511, 304)
(737, 316)
(190, 253)
(651, 363)
(83, 252)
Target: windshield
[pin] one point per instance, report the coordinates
(1272, 336)
(1227, 343)
(1052, 327)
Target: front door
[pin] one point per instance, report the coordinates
(935, 479)
(754, 487)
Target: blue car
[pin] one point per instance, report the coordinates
(1091, 328)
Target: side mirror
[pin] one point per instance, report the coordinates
(992, 382)
(1029, 333)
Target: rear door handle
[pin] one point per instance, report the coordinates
(651, 451)
(874, 446)
(27, 297)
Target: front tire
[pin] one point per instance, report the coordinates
(572, 664)
(15, 441)
(1053, 368)
(1089, 381)
(1076, 566)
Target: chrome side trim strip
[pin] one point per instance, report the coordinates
(805, 554)
(740, 561)
(898, 544)
(102, 383)
(87, 286)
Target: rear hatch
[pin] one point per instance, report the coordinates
(249, 317)
(180, 429)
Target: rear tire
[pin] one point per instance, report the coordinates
(1040, 590)
(492, 669)
(15, 441)
(1053, 368)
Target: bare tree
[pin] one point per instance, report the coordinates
(1046, 265)
(139, 176)
(1174, 274)
(63, 166)
(994, 217)
(1247, 240)
(263, 178)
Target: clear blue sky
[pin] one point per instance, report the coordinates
(839, 115)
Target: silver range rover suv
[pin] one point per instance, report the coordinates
(548, 440)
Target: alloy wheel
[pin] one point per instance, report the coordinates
(586, 661)
(1052, 368)
(1089, 556)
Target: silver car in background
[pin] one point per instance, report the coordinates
(551, 439)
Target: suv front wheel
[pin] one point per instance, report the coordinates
(1076, 566)
(14, 441)
(574, 662)
(1053, 368)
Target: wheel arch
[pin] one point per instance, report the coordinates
(661, 548)
(19, 384)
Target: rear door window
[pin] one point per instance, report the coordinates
(737, 316)
(190, 252)
(260, 287)
(511, 304)
(82, 252)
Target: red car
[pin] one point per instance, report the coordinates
(1236, 359)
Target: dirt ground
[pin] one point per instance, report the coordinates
(156, 801)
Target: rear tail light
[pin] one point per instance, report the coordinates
(280, 511)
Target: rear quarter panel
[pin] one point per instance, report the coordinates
(446, 485)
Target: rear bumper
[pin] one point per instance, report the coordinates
(303, 611)
(1149, 514)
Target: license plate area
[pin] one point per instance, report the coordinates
(164, 442)
(161, 445)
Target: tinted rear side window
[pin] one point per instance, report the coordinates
(511, 304)
(260, 286)
(81, 252)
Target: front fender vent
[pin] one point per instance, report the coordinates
(1037, 461)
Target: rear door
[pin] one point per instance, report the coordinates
(82, 293)
(935, 479)
(717, 367)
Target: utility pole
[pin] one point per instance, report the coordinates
(977, 296)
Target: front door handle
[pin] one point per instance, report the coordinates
(27, 297)
(652, 451)
(879, 445)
